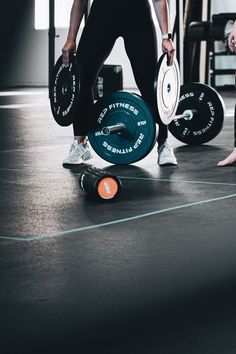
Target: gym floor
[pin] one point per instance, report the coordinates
(151, 272)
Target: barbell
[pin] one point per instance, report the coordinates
(124, 130)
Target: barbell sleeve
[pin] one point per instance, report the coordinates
(188, 114)
(117, 128)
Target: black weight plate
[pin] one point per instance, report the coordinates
(206, 123)
(139, 136)
(65, 90)
(167, 88)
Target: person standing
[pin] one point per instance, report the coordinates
(109, 19)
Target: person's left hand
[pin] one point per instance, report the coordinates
(232, 41)
(69, 47)
(169, 48)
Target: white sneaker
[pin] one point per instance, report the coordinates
(78, 154)
(166, 155)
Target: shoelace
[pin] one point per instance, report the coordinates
(72, 147)
(166, 145)
(78, 147)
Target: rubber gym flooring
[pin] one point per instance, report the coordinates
(151, 272)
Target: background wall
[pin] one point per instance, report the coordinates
(24, 50)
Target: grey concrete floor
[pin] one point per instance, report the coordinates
(151, 272)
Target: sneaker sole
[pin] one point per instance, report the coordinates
(87, 157)
(168, 164)
(71, 163)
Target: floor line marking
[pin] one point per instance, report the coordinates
(172, 180)
(132, 178)
(14, 169)
(22, 93)
(113, 222)
(178, 181)
(24, 105)
(136, 178)
(32, 149)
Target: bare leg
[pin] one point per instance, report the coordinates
(230, 160)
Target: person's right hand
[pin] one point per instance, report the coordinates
(169, 48)
(69, 47)
(232, 42)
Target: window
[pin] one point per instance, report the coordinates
(62, 13)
